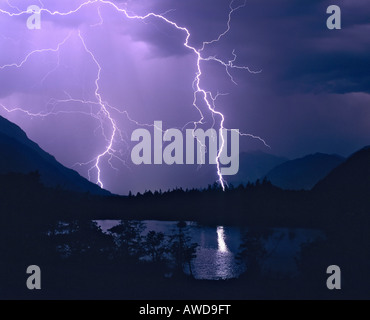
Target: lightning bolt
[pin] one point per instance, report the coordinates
(104, 110)
(108, 149)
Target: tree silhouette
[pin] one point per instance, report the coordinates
(181, 248)
(128, 237)
(155, 246)
(84, 239)
(252, 250)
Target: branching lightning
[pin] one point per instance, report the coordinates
(103, 111)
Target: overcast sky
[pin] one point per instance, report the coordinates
(312, 94)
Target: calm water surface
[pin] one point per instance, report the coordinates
(218, 247)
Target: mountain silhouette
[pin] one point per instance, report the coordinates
(348, 185)
(22, 155)
(254, 165)
(303, 173)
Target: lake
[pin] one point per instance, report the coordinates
(219, 245)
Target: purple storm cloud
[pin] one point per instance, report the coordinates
(312, 94)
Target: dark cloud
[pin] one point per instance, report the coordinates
(312, 94)
(290, 41)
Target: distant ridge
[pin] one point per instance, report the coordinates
(254, 165)
(350, 181)
(20, 154)
(303, 173)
